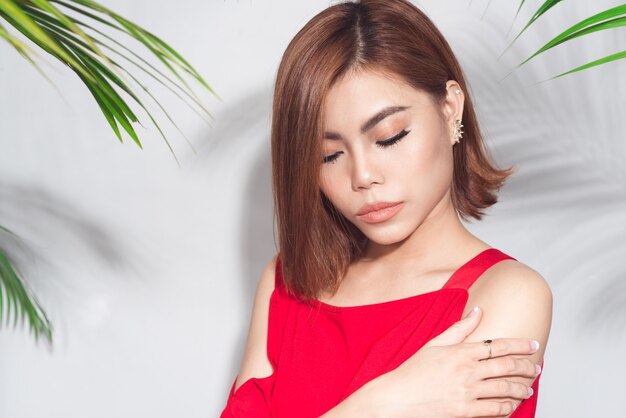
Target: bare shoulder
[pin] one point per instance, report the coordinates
(516, 302)
(255, 362)
(511, 281)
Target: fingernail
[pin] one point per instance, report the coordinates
(474, 311)
(535, 345)
(538, 368)
(530, 391)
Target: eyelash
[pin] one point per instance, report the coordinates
(393, 140)
(383, 144)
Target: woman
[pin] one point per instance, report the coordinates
(359, 313)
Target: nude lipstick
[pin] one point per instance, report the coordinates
(379, 212)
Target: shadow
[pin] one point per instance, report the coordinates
(58, 238)
(239, 125)
(35, 212)
(257, 239)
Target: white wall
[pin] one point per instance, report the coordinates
(148, 269)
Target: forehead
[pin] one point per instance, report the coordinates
(358, 95)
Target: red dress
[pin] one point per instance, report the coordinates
(321, 354)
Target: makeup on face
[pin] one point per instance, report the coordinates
(379, 212)
(383, 164)
(390, 132)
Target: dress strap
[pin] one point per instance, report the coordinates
(469, 272)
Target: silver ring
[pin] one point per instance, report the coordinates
(488, 342)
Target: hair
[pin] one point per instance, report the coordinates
(316, 242)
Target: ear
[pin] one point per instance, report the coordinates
(453, 106)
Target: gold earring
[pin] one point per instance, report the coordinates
(457, 131)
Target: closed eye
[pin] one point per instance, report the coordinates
(394, 139)
(331, 158)
(383, 144)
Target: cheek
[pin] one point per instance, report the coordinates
(423, 168)
(440, 168)
(327, 185)
(334, 189)
(325, 182)
(418, 159)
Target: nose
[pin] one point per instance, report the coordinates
(366, 170)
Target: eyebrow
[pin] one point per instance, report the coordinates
(371, 122)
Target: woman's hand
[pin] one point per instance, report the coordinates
(447, 378)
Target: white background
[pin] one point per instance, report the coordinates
(147, 269)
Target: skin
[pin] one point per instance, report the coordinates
(418, 249)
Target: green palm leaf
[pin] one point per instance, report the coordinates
(67, 39)
(17, 301)
(608, 19)
(613, 57)
(11, 11)
(95, 18)
(24, 50)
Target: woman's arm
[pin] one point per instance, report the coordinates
(443, 379)
(255, 363)
(517, 303)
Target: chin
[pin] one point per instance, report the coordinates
(386, 236)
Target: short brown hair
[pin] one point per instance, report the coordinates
(317, 243)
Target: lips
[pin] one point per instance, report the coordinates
(379, 212)
(375, 206)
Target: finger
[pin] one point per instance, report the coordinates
(490, 408)
(502, 347)
(502, 388)
(458, 331)
(506, 366)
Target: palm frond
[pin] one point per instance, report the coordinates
(79, 44)
(608, 19)
(18, 302)
(612, 57)
(13, 13)
(23, 49)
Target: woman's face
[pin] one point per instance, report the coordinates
(387, 142)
